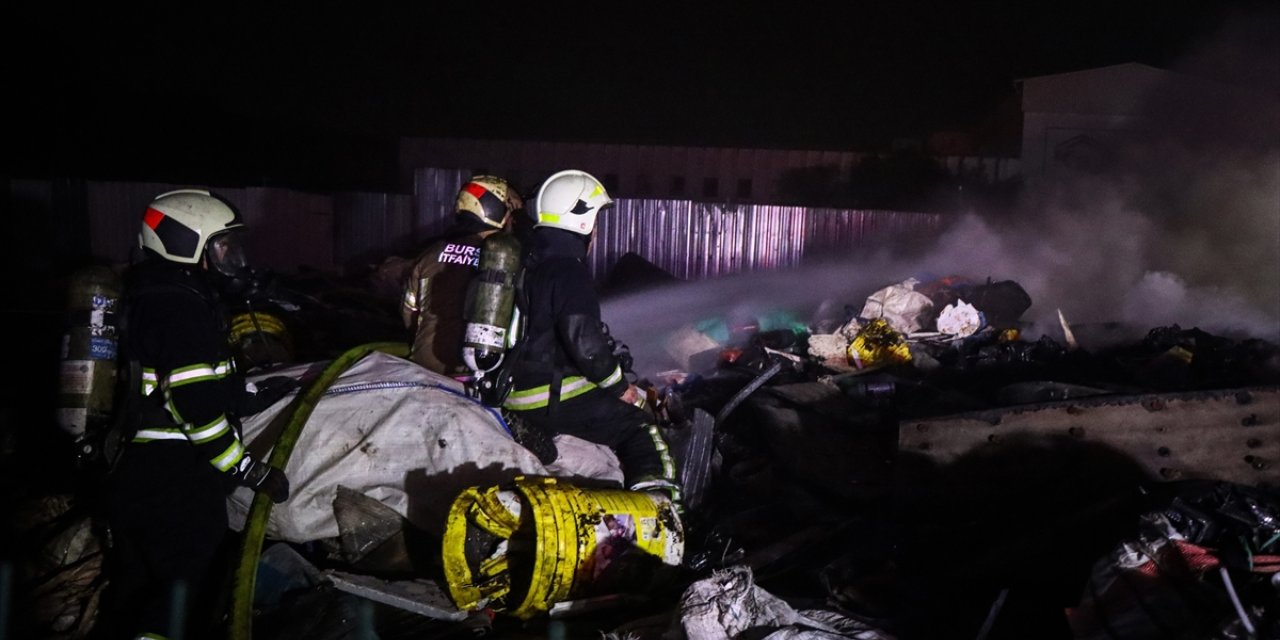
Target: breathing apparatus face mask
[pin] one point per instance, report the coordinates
(226, 253)
(226, 258)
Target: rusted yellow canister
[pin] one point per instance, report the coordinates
(524, 547)
(878, 344)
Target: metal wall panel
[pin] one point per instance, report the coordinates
(697, 240)
(434, 194)
(656, 166)
(289, 229)
(115, 214)
(369, 226)
(43, 242)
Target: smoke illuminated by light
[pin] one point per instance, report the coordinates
(1184, 229)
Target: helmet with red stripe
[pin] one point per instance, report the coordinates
(181, 226)
(489, 198)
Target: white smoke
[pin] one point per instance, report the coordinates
(1183, 229)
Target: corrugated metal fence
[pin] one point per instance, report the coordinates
(690, 240)
(699, 240)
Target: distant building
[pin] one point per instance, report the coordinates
(1078, 121)
(1073, 121)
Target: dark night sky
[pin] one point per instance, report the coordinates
(314, 96)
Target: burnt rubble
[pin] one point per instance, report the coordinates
(884, 480)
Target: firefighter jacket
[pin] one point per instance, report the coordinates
(176, 330)
(566, 350)
(434, 298)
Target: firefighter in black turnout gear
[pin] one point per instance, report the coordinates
(166, 496)
(567, 377)
(435, 290)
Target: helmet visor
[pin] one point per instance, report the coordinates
(226, 252)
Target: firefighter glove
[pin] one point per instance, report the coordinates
(264, 478)
(260, 395)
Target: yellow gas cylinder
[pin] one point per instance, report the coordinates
(878, 344)
(525, 547)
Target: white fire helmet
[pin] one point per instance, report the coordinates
(490, 199)
(180, 225)
(570, 200)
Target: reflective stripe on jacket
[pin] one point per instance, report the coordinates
(177, 332)
(564, 339)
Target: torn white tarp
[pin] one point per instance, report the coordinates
(398, 433)
(960, 319)
(729, 603)
(900, 305)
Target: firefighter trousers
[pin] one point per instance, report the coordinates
(167, 512)
(629, 431)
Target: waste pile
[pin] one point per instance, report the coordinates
(911, 466)
(919, 463)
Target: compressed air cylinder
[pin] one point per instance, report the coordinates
(89, 345)
(491, 303)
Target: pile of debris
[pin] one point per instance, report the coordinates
(922, 466)
(910, 468)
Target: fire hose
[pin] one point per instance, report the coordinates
(255, 528)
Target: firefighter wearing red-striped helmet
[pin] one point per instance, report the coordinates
(489, 199)
(435, 289)
(192, 227)
(183, 452)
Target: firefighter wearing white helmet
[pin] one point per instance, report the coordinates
(434, 290)
(166, 496)
(568, 376)
(570, 200)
